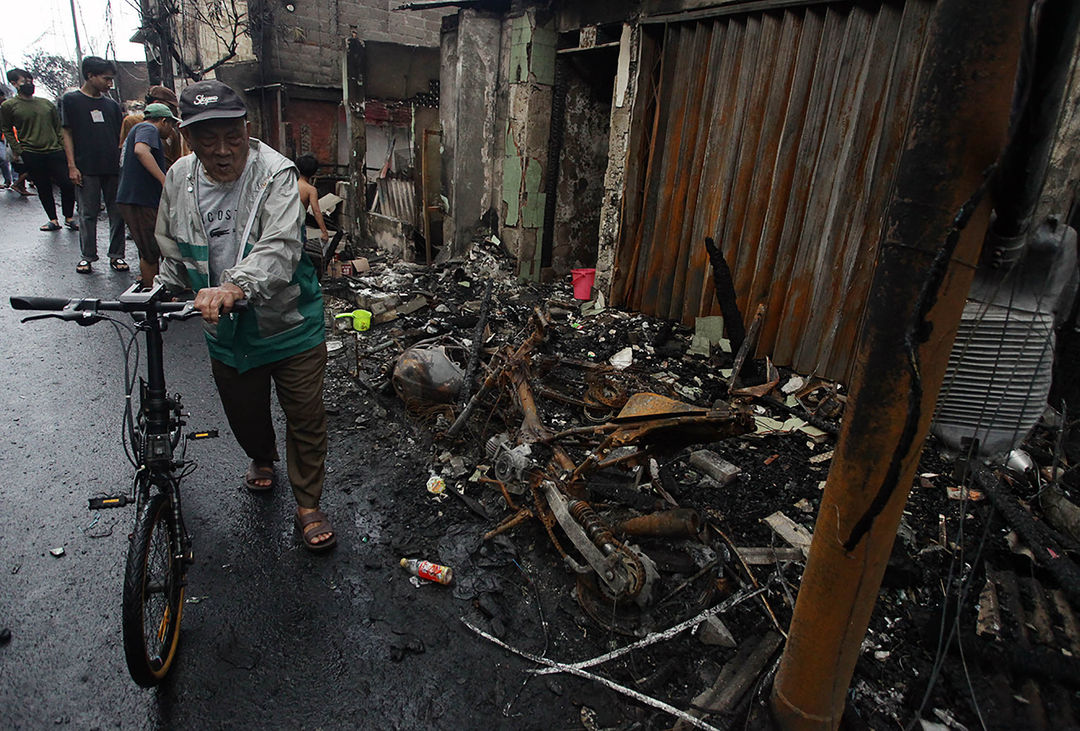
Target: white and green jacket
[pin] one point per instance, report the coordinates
(278, 279)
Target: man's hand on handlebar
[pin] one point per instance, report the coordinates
(213, 302)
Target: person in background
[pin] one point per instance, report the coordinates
(5, 163)
(141, 176)
(91, 134)
(14, 173)
(173, 144)
(309, 196)
(133, 115)
(5, 153)
(31, 126)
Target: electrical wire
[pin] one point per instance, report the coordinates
(945, 640)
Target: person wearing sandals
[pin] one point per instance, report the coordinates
(91, 128)
(31, 126)
(228, 228)
(142, 174)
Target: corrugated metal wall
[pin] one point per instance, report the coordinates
(776, 133)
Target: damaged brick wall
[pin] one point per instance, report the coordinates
(531, 80)
(314, 129)
(305, 45)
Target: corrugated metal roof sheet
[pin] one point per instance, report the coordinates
(397, 199)
(776, 133)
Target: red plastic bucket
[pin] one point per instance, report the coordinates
(583, 282)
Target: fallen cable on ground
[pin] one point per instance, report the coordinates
(729, 603)
(629, 692)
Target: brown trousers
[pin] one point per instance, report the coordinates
(141, 222)
(298, 381)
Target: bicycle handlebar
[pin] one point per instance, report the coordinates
(40, 303)
(132, 300)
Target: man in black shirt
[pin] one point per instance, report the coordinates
(91, 140)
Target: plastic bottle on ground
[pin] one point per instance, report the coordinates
(428, 570)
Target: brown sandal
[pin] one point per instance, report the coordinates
(313, 524)
(256, 472)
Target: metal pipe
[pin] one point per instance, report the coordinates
(680, 522)
(958, 126)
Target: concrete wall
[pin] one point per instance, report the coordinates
(304, 46)
(400, 71)
(472, 45)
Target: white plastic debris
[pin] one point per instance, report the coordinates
(623, 359)
(715, 466)
(794, 384)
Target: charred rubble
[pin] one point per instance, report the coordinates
(592, 473)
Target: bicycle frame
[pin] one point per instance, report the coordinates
(157, 433)
(153, 592)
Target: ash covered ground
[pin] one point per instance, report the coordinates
(516, 587)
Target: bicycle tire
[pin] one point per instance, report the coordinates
(153, 593)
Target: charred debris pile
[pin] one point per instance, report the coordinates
(602, 480)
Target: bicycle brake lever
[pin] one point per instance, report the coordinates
(188, 312)
(81, 318)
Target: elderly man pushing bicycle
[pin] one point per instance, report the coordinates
(229, 228)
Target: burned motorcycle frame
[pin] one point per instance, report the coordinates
(616, 577)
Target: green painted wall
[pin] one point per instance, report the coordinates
(511, 192)
(532, 67)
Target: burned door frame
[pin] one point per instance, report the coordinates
(590, 43)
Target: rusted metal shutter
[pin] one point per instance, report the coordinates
(777, 133)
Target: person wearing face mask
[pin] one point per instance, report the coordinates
(32, 128)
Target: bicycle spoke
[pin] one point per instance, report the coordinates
(163, 628)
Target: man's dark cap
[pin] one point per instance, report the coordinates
(207, 100)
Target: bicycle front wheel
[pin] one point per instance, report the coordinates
(153, 593)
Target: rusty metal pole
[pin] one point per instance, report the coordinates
(959, 126)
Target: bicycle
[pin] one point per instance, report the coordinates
(160, 548)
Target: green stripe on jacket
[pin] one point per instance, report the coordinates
(239, 343)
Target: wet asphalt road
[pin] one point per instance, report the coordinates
(272, 636)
